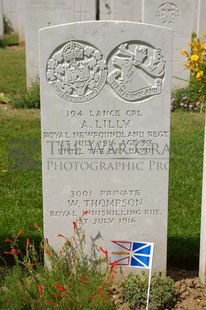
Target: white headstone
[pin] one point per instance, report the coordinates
(128, 10)
(1, 21)
(44, 13)
(105, 106)
(196, 16)
(84, 10)
(21, 26)
(11, 13)
(202, 263)
(177, 15)
(201, 25)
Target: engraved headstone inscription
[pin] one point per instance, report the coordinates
(105, 113)
(177, 15)
(130, 10)
(45, 13)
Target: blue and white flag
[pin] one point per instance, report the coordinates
(132, 254)
(138, 254)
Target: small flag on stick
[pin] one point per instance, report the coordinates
(136, 254)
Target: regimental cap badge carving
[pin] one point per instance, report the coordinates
(73, 50)
(168, 13)
(77, 72)
(136, 71)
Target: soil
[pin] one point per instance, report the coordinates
(4, 106)
(191, 292)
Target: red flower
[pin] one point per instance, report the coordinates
(15, 251)
(111, 278)
(84, 279)
(19, 233)
(27, 241)
(59, 287)
(53, 303)
(7, 253)
(100, 290)
(40, 289)
(45, 250)
(36, 226)
(12, 252)
(74, 225)
(47, 241)
(57, 294)
(84, 213)
(105, 252)
(112, 271)
(8, 240)
(60, 235)
(112, 267)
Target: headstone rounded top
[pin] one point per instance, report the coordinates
(168, 13)
(105, 112)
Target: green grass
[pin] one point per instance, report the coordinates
(11, 39)
(12, 71)
(186, 158)
(13, 79)
(21, 191)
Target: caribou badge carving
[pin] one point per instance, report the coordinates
(77, 72)
(136, 71)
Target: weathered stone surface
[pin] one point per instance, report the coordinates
(105, 105)
(40, 14)
(128, 10)
(177, 15)
(201, 24)
(11, 12)
(21, 20)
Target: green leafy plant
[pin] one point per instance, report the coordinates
(4, 98)
(11, 39)
(29, 99)
(193, 98)
(73, 281)
(162, 294)
(187, 99)
(2, 43)
(7, 25)
(134, 290)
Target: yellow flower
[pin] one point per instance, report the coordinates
(204, 34)
(199, 75)
(184, 53)
(194, 57)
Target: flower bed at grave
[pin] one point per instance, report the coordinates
(193, 98)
